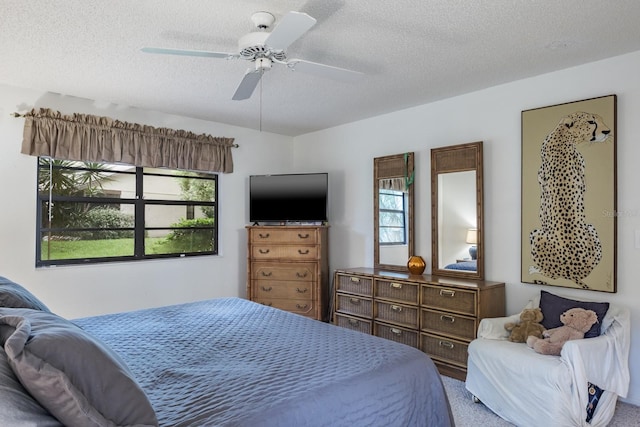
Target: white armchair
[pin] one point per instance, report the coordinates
(531, 389)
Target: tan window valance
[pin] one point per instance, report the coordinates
(90, 138)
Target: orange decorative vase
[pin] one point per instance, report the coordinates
(416, 265)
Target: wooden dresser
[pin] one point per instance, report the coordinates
(438, 315)
(287, 268)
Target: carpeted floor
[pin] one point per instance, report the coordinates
(467, 414)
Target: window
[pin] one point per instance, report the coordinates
(393, 217)
(98, 212)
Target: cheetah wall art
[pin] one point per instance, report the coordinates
(569, 195)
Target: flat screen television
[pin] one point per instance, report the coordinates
(288, 197)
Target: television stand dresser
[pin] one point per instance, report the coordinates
(438, 315)
(288, 268)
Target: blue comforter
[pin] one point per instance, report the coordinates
(463, 265)
(232, 362)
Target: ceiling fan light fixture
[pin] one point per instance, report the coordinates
(263, 64)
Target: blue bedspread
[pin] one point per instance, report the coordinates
(463, 265)
(233, 362)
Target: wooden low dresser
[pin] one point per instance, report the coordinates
(438, 315)
(287, 268)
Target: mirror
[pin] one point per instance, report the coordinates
(393, 231)
(457, 244)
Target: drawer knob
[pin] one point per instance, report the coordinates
(268, 304)
(263, 251)
(353, 322)
(266, 289)
(263, 236)
(265, 274)
(301, 306)
(303, 252)
(303, 236)
(396, 308)
(396, 285)
(447, 318)
(396, 331)
(301, 291)
(447, 344)
(447, 293)
(355, 301)
(355, 280)
(301, 275)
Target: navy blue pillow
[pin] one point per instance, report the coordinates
(13, 295)
(553, 306)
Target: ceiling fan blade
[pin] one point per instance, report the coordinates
(187, 52)
(248, 84)
(323, 70)
(291, 27)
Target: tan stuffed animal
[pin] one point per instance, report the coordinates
(576, 322)
(529, 324)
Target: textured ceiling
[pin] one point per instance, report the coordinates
(411, 51)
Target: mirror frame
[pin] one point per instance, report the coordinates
(386, 167)
(457, 158)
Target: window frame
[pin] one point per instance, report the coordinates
(139, 203)
(404, 212)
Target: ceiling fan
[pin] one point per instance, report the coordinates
(266, 48)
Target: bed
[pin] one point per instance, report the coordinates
(463, 265)
(232, 362)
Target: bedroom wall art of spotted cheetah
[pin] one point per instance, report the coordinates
(566, 245)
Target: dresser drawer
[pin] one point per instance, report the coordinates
(298, 306)
(284, 235)
(288, 252)
(276, 289)
(305, 272)
(353, 323)
(450, 299)
(395, 333)
(354, 305)
(398, 291)
(354, 284)
(448, 324)
(444, 349)
(395, 313)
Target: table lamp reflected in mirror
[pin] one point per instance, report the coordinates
(472, 239)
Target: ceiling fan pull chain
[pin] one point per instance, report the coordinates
(261, 72)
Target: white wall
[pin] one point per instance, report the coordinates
(493, 116)
(76, 291)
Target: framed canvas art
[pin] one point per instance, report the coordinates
(569, 195)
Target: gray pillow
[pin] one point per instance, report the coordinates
(17, 407)
(77, 378)
(14, 295)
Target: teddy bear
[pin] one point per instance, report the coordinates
(575, 323)
(529, 324)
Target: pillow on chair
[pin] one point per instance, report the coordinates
(553, 306)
